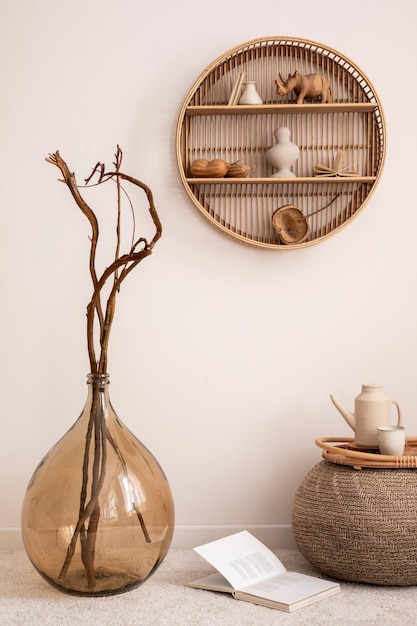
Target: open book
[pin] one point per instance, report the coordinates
(250, 571)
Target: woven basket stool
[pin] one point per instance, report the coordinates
(358, 525)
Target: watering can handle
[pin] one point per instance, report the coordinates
(399, 415)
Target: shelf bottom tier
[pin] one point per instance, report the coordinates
(245, 210)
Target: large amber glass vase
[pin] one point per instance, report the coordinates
(98, 514)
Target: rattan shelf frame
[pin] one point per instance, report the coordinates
(208, 127)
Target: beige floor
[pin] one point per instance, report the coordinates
(25, 599)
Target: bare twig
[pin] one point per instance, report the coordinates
(97, 435)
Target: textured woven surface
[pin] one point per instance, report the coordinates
(358, 525)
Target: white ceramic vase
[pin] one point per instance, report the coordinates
(250, 94)
(283, 154)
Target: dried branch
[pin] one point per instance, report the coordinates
(70, 181)
(97, 435)
(122, 265)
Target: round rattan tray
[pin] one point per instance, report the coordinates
(343, 454)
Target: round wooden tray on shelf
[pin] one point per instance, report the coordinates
(342, 143)
(344, 454)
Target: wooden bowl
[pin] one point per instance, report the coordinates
(239, 169)
(290, 224)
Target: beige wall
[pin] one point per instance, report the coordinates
(223, 356)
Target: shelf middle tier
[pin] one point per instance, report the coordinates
(298, 180)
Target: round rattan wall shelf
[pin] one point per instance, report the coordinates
(342, 143)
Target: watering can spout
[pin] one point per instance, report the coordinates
(347, 415)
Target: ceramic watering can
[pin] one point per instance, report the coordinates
(372, 409)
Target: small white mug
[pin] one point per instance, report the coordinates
(391, 440)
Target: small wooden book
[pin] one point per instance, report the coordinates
(236, 89)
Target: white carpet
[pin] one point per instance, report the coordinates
(26, 599)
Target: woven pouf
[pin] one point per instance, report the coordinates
(358, 525)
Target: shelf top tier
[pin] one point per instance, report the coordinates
(291, 108)
(269, 59)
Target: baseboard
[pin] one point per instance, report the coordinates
(272, 535)
(10, 539)
(188, 536)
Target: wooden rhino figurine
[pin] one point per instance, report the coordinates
(310, 87)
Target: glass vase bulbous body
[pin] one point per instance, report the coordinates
(98, 513)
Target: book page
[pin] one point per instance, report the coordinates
(212, 582)
(242, 559)
(289, 587)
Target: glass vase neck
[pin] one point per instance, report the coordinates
(98, 380)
